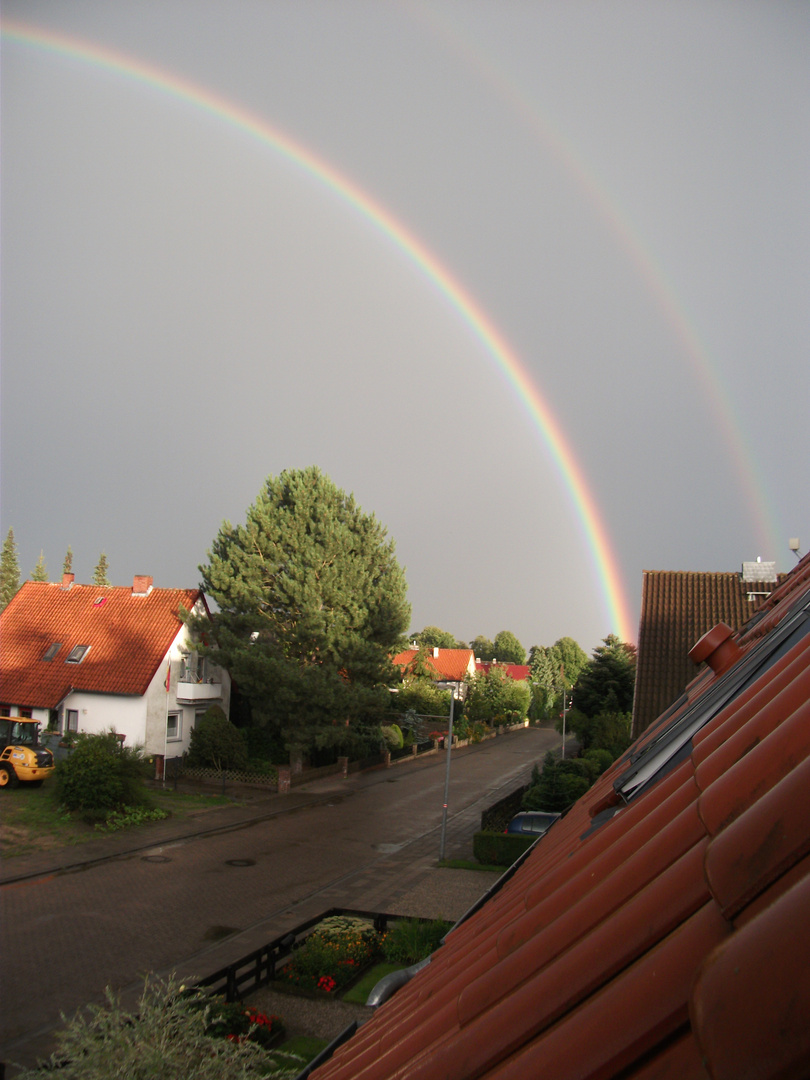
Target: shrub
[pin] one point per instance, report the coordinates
(411, 940)
(392, 733)
(500, 849)
(101, 774)
(125, 818)
(167, 1036)
(601, 759)
(216, 743)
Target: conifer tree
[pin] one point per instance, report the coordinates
(40, 570)
(312, 603)
(9, 570)
(100, 576)
(67, 565)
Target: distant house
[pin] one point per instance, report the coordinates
(659, 928)
(89, 658)
(518, 672)
(450, 668)
(678, 607)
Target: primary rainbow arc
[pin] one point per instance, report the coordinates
(599, 547)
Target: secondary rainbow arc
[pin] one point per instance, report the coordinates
(600, 550)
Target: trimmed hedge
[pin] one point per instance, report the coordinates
(500, 849)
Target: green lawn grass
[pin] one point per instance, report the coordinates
(33, 819)
(358, 994)
(304, 1046)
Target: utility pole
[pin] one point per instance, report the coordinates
(448, 745)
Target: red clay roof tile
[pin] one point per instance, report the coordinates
(666, 937)
(128, 636)
(450, 665)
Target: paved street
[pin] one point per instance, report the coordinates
(195, 904)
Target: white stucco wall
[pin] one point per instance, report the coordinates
(159, 704)
(100, 712)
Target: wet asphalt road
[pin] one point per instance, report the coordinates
(195, 904)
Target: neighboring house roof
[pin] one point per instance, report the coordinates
(677, 608)
(659, 929)
(129, 634)
(518, 672)
(449, 665)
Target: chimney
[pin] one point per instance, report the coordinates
(67, 580)
(141, 585)
(436, 652)
(717, 648)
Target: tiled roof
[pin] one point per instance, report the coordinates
(452, 665)
(519, 672)
(660, 928)
(128, 635)
(676, 609)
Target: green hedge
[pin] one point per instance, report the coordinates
(500, 849)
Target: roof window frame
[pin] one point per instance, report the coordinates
(75, 656)
(660, 754)
(51, 651)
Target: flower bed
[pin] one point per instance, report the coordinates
(239, 1023)
(333, 956)
(342, 948)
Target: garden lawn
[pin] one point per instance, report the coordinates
(358, 994)
(33, 820)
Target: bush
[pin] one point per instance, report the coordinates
(411, 940)
(115, 820)
(216, 743)
(392, 734)
(167, 1036)
(101, 774)
(600, 758)
(500, 849)
(559, 786)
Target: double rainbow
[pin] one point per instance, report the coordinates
(602, 557)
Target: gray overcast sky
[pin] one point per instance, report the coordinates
(621, 188)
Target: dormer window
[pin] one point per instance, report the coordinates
(52, 650)
(77, 654)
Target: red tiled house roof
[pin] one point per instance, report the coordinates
(518, 672)
(128, 633)
(660, 928)
(676, 609)
(448, 665)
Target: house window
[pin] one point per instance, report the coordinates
(77, 654)
(71, 720)
(174, 727)
(52, 650)
(27, 713)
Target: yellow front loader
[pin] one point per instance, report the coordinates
(21, 756)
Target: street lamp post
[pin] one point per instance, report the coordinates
(447, 748)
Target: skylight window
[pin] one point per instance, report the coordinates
(52, 650)
(77, 654)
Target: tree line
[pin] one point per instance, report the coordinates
(309, 607)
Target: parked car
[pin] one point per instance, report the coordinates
(531, 823)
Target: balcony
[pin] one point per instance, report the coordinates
(192, 692)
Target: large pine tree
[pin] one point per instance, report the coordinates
(312, 602)
(9, 569)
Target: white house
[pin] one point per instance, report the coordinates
(89, 658)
